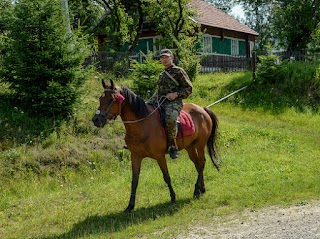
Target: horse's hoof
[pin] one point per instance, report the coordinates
(129, 209)
(197, 193)
(196, 196)
(202, 190)
(173, 199)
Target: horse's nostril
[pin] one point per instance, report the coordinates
(95, 120)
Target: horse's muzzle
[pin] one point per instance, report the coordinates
(99, 121)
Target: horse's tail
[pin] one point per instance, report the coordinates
(211, 143)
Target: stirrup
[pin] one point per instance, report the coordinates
(173, 152)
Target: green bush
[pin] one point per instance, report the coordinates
(268, 69)
(145, 76)
(191, 65)
(292, 83)
(190, 62)
(43, 61)
(120, 68)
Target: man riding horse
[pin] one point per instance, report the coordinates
(175, 85)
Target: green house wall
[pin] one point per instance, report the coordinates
(218, 46)
(223, 46)
(144, 45)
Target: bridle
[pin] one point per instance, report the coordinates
(106, 113)
(116, 95)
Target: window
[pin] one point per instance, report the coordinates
(251, 47)
(234, 47)
(207, 44)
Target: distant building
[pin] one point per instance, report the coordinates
(224, 35)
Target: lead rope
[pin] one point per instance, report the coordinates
(227, 96)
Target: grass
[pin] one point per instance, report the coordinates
(74, 182)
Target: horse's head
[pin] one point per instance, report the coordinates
(110, 105)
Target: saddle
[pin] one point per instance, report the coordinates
(184, 123)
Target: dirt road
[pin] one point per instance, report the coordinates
(297, 222)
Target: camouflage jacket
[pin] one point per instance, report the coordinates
(182, 84)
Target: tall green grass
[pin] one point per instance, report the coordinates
(74, 181)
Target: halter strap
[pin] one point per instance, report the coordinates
(106, 112)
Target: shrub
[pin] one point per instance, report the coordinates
(268, 69)
(145, 76)
(295, 83)
(188, 58)
(191, 64)
(121, 68)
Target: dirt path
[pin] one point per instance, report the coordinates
(301, 222)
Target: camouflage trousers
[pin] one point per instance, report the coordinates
(172, 110)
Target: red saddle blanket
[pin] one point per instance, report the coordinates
(187, 126)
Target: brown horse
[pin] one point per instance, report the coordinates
(145, 137)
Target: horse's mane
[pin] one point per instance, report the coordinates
(136, 103)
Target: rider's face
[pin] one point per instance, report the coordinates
(166, 60)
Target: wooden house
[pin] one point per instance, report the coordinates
(224, 35)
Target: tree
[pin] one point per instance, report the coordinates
(295, 21)
(258, 17)
(120, 20)
(223, 5)
(5, 12)
(172, 20)
(42, 61)
(84, 14)
(314, 45)
(289, 23)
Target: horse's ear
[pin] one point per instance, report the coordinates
(103, 84)
(112, 84)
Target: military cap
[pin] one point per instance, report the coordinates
(166, 52)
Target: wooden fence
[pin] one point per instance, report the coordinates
(297, 55)
(213, 63)
(104, 61)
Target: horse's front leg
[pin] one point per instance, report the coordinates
(136, 165)
(164, 168)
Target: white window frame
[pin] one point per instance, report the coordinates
(207, 43)
(252, 45)
(234, 47)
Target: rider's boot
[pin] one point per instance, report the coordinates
(172, 145)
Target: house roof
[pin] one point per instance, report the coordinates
(208, 15)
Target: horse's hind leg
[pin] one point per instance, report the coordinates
(164, 168)
(197, 156)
